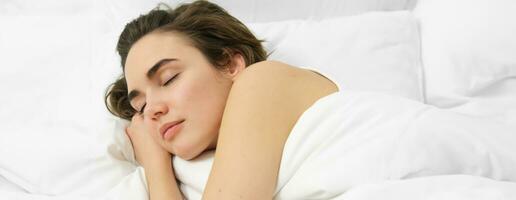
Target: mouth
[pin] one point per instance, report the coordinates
(170, 129)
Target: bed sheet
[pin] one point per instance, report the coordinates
(449, 187)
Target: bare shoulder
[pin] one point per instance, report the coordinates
(273, 95)
(263, 105)
(269, 66)
(275, 89)
(293, 83)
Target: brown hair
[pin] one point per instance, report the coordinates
(208, 27)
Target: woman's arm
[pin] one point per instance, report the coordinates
(263, 106)
(162, 182)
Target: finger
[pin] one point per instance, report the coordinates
(135, 117)
(128, 132)
(150, 125)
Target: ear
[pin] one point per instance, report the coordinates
(236, 66)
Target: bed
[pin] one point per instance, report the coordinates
(457, 56)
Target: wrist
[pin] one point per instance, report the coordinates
(162, 182)
(159, 162)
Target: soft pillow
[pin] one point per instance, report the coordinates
(377, 51)
(468, 50)
(274, 10)
(257, 11)
(56, 133)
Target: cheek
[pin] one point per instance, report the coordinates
(187, 96)
(201, 94)
(203, 102)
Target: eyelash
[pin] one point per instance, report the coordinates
(170, 80)
(165, 84)
(143, 108)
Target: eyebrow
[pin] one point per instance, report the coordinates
(150, 73)
(158, 65)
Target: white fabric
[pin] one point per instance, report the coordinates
(376, 51)
(245, 10)
(274, 10)
(450, 187)
(348, 139)
(89, 167)
(58, 142)
(469, 56)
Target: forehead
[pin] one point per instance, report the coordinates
(149, 50)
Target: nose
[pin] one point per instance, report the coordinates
(155, 110)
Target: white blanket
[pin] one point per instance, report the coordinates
(355, 146)
(363, 142)
(448, 187)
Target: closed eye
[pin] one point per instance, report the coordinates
(170, 80)
(165, 84)
(143, 109)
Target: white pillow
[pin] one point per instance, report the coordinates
(260, 11)
(377, 51)
(468, 49)
(279, 10)
(56, 133)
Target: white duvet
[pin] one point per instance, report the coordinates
(358, 145)
(354, 146)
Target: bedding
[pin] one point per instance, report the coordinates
(349, 139)
(452, 187)
(257, 11)
(469, 57)
(376, 51)
(79, 70)
(58, 141)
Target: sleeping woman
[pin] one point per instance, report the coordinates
(196, 79)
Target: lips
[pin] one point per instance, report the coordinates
(166, 126)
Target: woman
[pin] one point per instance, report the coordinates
(195, 79)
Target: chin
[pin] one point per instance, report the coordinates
(186, 153)
(190, 150)
(187, 156)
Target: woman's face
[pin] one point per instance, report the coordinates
(182, 85)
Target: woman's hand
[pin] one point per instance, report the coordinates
(147, 151)
(155, 159)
